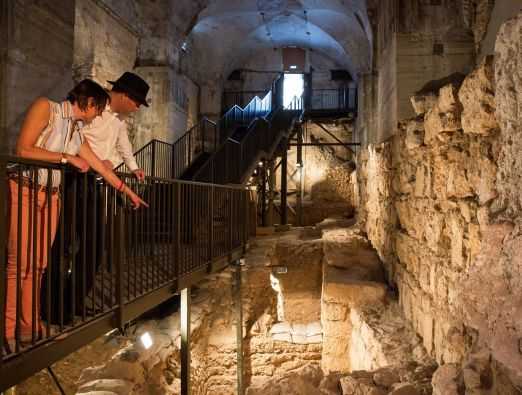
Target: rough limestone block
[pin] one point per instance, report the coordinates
(334, 311)
(354, 294)
(354, 386)
(445, 380)
(508, 100)
(437, 123)
(414, 134)
(423, 103)
(107, 386)
(477, 95)
(404, 389)
(386, 377)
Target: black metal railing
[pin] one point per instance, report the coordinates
(78, 262)
(238, 116)
(240, 98)
(338, 100)
(236, 157)
(295, 104)
(165, 160)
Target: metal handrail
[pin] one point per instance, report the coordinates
(237, 116)
(170, 160)
(340, 99)
(240, 97)
(120, 262)
(234, 158)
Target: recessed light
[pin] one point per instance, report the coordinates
(146, 340)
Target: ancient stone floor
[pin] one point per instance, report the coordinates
(318, 318)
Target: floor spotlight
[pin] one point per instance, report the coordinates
(146, 340)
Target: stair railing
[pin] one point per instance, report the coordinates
(235, 157)
(160, 159)
(237, 116)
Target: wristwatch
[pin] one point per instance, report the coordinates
(63, 160)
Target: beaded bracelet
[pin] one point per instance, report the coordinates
(121, 187)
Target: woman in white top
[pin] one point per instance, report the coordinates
(50, 133)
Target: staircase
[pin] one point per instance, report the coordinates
(225, 152)
(169, 161)
(235, 159)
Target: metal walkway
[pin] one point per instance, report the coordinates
(109, 263)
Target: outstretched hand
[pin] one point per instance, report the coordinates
(137, 202)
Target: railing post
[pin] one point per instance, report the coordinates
(203, 127)
(284, 185)
(173, 162)
(119, 256)
(299, 195)
(271, 192)
(239, 327)
(211, 226)
(215, 136)
(263, 196)
(177, 230)
(230, 211)
(153, 164)
(246, 223)
(185, 341)
(189, 148)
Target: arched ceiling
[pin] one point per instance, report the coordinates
(226, 32)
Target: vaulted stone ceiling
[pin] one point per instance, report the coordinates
(222, 34)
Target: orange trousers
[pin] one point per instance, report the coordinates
(33, 246)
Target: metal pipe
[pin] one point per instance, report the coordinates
(263, 197)
(185, 341)
(299, 200)
(55, 379)
(239, 327)
(271, 193)
(284, 184)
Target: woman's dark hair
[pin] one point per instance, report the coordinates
(88, 89)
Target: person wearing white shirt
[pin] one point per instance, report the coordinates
(108, 134)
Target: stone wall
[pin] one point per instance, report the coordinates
(105, 45)
(327, 171)
(111, 39)
(440, 202)
(415, 42)
(39, 58)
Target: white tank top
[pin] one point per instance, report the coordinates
(61, 134)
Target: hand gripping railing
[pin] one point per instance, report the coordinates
(98, 264)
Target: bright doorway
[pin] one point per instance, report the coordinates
(293, 86)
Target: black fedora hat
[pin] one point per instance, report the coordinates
(133, 85)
